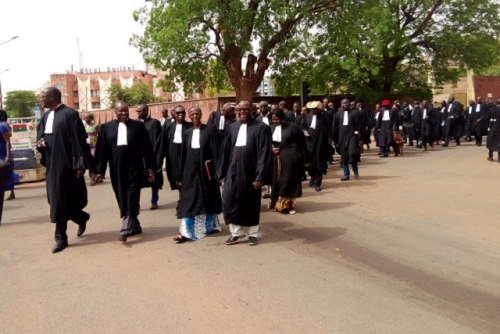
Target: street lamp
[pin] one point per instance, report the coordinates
(11, 39)
(1, 95)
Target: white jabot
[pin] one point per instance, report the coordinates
(478, 107)
(443, 109)
(162, 121)
(122, 135)
(265, 119)
(346, 118)
(241, 140)
(50, 122)
(386, 116)
(277, 133)
(178, 134)
(221, 122)
(425, 113)
(377, 114)
(195, 140)
(313, 122)
(470, 110)
(449, 106)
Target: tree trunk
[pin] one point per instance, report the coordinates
(245, 84)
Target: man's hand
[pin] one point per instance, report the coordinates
(257, 185)
(80, 172)
(276, 150)
(41, 143)
(151, 176)
(98, 178)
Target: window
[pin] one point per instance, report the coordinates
(95, 93)
(75, 94)
(96, 105)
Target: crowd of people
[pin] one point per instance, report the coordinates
(244, 153)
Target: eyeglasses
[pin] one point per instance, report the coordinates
(245, 110)
(180, 112)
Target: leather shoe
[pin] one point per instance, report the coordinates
(234, 239)
(81, 229)
(135, 231)
(252, 241)
(345, 178)
(59, 246)
(122, 238)
(153, 207)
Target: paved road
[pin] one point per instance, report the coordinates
(412, 247)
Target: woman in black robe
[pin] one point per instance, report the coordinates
(289, 149)
(200, 199)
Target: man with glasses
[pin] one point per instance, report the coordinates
(171, 144)
(245, 165)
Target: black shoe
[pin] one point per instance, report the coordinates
(345, 178)
(122, 238)
(266, 195)
(489, 158)
(444, 145)
(356, 176)
(317, 188)
(81, 229)
(135, 231)
(252, 241)
(234, 239)
(384, 156)
(59, 246)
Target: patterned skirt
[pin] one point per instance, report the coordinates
(285, 204)
(197, 227)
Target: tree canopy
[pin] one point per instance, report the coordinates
(182, 36)
(20, 103)
(368, 48)
(136, 94)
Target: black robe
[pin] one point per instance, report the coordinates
(288, 164)
(153, 127)
(200, 189)
(387, 127)
(239, 167)
(428, 124)
(127, 163)
(214, 120)
(492, 118)
(171, 151)
(318, 147)
(347, 137)
(66, 151)
(452, 116)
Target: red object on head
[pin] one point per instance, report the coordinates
(386, 103)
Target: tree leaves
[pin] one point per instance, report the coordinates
(20, 103)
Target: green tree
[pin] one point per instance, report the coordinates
(20, 103)
(182, 36)
(138, 93)
(372, 48)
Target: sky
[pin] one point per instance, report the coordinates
(48, 32)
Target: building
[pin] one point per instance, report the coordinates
(88, 88)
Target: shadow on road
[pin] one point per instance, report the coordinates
(148, 234)
(285, 231)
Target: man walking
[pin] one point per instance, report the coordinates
(245, 165)
(61, 139)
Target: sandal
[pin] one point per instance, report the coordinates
(180, 239)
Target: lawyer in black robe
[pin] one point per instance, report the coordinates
(153, 127)
(200, 199)
(387, 124)
(222, 119)
(171, 145)
(125, 144)
(347, 127)
(452, 117)
(289, 148)
(61, 139)
(492, 118)
(317, 127)
(245, 165)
